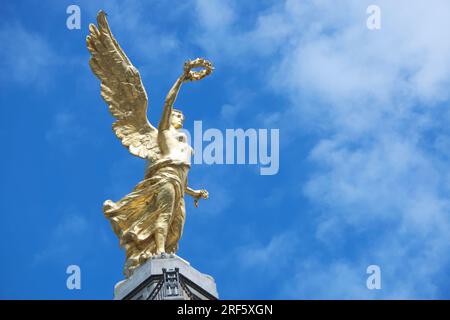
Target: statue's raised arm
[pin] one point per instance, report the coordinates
(164, 123)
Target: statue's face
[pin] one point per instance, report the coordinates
(177, 119)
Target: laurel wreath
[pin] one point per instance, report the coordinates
(192, 75)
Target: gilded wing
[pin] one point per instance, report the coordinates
(123, 91)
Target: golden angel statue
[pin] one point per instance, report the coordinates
(149, 221)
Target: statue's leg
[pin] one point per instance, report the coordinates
(176, 228)
(166, 203)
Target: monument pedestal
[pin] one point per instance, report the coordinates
(166, 277)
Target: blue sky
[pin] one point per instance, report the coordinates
(364, 145)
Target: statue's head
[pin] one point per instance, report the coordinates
(177, 118)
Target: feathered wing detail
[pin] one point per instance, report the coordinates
(123, 91)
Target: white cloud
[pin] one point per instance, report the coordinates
(25, 56)
(66, 132)
(378, 103)
(336, 280)
(66, 239)
(141, 36)
(214, 15)
(275, 254)
(229, 112)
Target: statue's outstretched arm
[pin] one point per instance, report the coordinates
(197, 194)
(164, 123)
(193, 193)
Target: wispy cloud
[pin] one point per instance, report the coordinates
(377, 103)
(25, 56)
(69, 239)
(274, 255)
(66, 132)
(335, 280)
(142, 35)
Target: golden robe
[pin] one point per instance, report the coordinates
(155, 205)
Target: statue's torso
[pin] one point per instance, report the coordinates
(174, 146)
